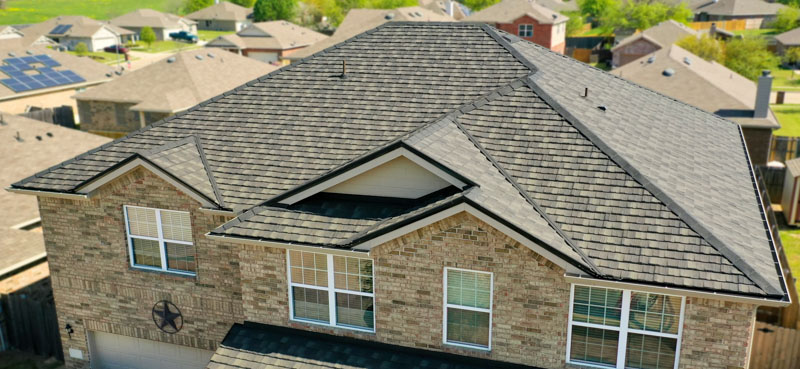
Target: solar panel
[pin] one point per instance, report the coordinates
(60, 29)
(42, 77)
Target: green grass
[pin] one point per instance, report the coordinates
(104, 57)
(597, 32)
(162, 46)
(789, 117)
(791, 246)
(34, 11)
(756, 32)
(210, 35)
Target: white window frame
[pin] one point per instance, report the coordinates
(332, 290)
(161, 243)
(520, 27)
(445, 305)
(623, 328)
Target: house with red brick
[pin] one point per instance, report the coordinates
(421, 195)
(529, 20)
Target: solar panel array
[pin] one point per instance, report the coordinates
(44, 77)
(60, 29)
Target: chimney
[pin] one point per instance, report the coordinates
(762, 95)
(450, 7)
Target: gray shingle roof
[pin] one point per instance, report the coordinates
(650, 189)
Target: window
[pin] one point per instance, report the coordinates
(160, 240)
(525, 30)
(624, 329)
(467, 308)
(332, 290)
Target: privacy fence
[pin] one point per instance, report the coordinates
(775, 347)
(29, 320)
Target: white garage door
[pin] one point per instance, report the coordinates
(112, 351)
(263, 56)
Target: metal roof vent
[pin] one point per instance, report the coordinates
(669, 72)
(418, 14)
(171, 59)
(11, 54)
(602, 108)
(118, 72)
(555, 16)
(389, 16)
(651, 59)
(109, 74)
(198, 57)
(687, 61)
(28, 52)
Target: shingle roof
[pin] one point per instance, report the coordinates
(278, 35)
(188, 79)
(260, 346)
(664, 34)
(224, 10)
(739, 8)
(80, 27)
(789, 38)
(150, 18)
(650, 189)
(508, 11)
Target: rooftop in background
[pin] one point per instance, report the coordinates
(741, 8)
(24, 156)
(71, 26)
(274, 35)
(789, 38)
(19, 64)
(663, 34)
(707, 85)
(224, 10)
(149, 18)
(360, 20)
(508, 11)
(179, 82)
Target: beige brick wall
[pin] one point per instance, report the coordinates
(107, 116)
(95, 287)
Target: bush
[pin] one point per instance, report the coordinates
(786, 20)
(704, 46)
(792, 56)
(147, 36)
(749, 56)
(81, 49)
(268, 10)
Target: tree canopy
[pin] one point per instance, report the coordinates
(268, 10)
(194, 5)
(704, 46)
(476, 5)
(786, 19)
(748, 56)
(640, 15)
(244, 3)
(147, 35)
(334, 10)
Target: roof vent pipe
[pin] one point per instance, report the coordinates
(762, 95)
(344, 69)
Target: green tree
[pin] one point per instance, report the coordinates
(792, 56)
(267, 10)
(244, 3)
(594, 8)
(641, 15)
(476, 5)
(81, 49)
(704, 46)
(786, 19)
(194, 5)
(748, 56)
(147, 36)
(575, 22)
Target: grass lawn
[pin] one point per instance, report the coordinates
(34, 11)
(784, 79)
(210, 35)
(791, 245)
(789, 117)
(104, 57)
(597, 32)
(756, 32)
(168, 45)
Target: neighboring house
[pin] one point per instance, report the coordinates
(361, 20)
(786, 40)
(712, 87)
(450, 200)
(450, 8)
(269, 42)
(222, 16)
(70, 30)
(527, 19)
(40, 76)
(649, 41)
(8, 32)
(162, 23)
(757, 12)
(162, 89)
(27, 146)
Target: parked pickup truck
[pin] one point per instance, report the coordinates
(183, 35)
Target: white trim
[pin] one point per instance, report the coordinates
(290, 246)
(622, 329)
(27, 224)
(88, 188)
(793, 207)
(161, 243)
(368, 166)
(59, 195)
(590, 281)
(332, 291)
(30, 260)
(446, 305)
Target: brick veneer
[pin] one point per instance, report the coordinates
(542, 33)
(96, 289)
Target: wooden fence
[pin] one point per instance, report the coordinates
(729, 25)
(784, 148)
(775, 347)
(30, 320)
(773, 182)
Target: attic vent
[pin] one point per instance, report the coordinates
(171, 59)
(417, 14)
(687, 60)
(198, 57)
(118, 72)
(210, 55)
(669, 72)
(389, 16)
(651, 59)
(555, 16)
(602, 108)
(11, 54)
(109, 74)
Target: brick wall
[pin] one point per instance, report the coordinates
(542, 33)
(95, 287)
(716, 334)
(633, 51)
(758, 142)
(107, 116)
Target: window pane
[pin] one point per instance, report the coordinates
(142, 222)
(465, 326)
(146, 252)
(352, 274)
(648, 352)
(355, 310)
(308, 268)
(657, 313)
(180, 257)
(310, 304)
(176, 226)
(594, 345)
(597, 306)
(469, 289)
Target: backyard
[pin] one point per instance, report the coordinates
(210, 35)
(791, 245)
(789, 117)
(34, 11)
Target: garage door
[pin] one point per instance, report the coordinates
(113, 351)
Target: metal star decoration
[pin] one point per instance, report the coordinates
(167, 317)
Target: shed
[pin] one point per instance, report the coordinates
(791, 192)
